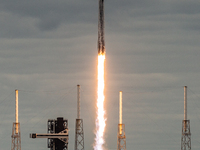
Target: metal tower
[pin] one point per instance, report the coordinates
(186, 135)
(79, 134)
(57, 134)
(16, 136)
(121, 137)
(101, 42)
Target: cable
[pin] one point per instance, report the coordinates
(55, 102)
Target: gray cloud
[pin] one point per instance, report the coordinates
(152, 50)
(50, 15)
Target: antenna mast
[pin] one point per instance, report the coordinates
(16, 137)
(121, 137)
(186, 135)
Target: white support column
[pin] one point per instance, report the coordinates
(185, 102)
(78, 102)
(120, 107)
(16, 110)
(120, 112)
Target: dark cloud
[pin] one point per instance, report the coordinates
(50, 14)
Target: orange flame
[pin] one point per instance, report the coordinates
(100, 121)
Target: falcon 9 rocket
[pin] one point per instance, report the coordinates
(101, 42)
(100, 119)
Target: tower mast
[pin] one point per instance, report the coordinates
(186, 135)
(79, 134)
(121, 137)
(16, 136)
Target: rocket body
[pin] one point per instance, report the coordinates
(101, 42)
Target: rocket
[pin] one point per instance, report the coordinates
(101, 42)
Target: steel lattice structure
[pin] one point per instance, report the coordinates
(79, 135)
(57, 134)
(186, 135)
(16, 137)
(58, 126)
(121, 138)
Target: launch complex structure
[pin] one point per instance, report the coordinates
(58, 135)
(186, 135)
(79, 134)
(121, 136)
(16, 135)
(57, 130)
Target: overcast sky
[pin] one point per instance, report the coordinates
(47, 47)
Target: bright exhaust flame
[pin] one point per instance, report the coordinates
(100, 121)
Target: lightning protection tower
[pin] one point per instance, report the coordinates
(186, 135)
(16, 137)
(79, 134)
(121, 137)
